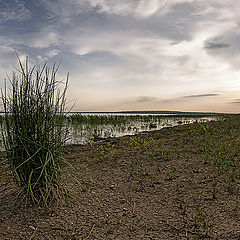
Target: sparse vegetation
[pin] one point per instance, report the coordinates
(175, 183)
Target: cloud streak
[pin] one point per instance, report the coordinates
(212, 45)
(143, 99)
(235, 101)
(201, 95)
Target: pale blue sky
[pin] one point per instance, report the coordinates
(131, 54)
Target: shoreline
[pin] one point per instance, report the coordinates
(177, 183)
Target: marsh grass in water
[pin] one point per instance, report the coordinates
(86, 127)
(34, 132)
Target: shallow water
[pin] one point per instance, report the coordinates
(82, 133)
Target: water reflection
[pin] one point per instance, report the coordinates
(83, 133)
(83, 129)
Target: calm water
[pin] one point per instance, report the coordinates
(82, 133)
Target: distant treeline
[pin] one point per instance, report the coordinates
(152, 112)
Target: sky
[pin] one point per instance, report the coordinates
(131, 54)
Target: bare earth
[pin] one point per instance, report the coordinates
(176, 183)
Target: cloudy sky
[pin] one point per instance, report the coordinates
(131, 54)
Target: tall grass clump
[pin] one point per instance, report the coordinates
(34, 131)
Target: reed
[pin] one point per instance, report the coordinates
(34, 132)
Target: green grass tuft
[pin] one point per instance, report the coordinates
(34, 131)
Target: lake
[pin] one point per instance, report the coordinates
(84, 128)
(90, 127)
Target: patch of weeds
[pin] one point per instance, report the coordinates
(102, 152)
(197, 218)
(200, 221)
(222, 157)
(142, 144)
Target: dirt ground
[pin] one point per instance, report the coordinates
(175, 183)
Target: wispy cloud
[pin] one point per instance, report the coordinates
(134, 8)
(44, 38)
(14, 10)
(212, 45)
(142, 99)
(201, 95)
(236, 101)
(225, 46)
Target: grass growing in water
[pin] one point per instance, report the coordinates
(34, 131)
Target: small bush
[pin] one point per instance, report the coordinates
(34, 131)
